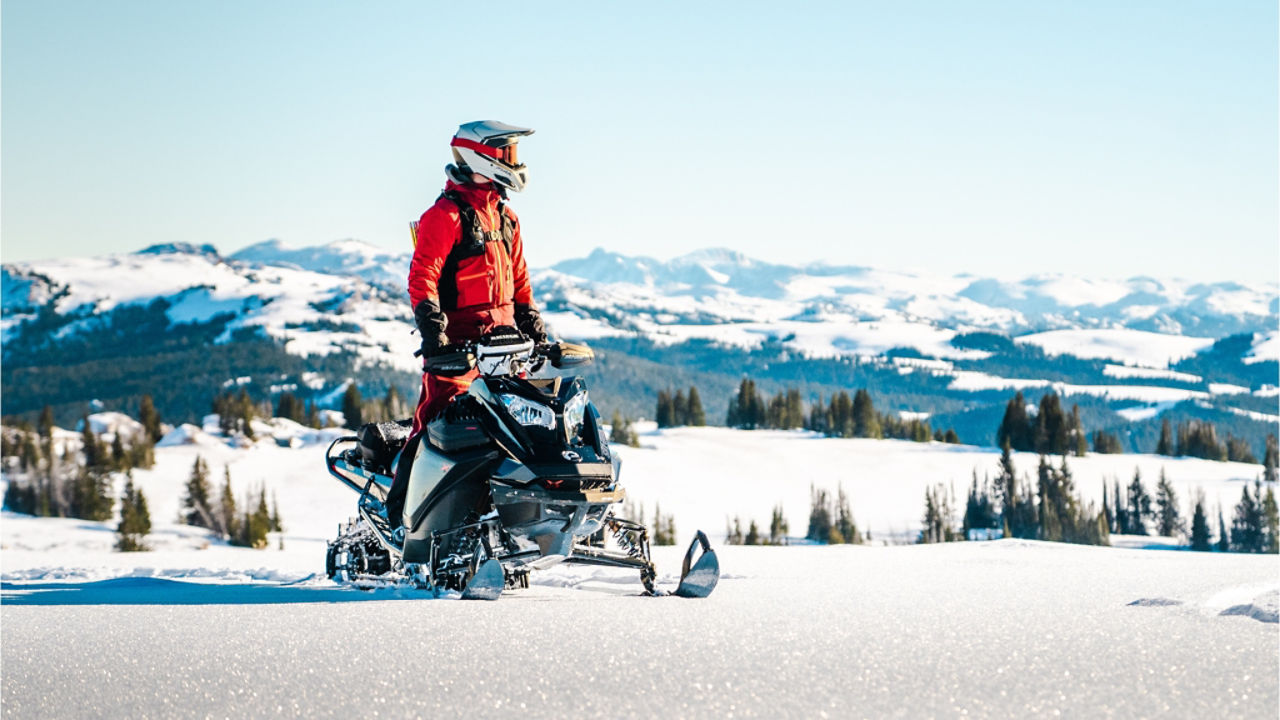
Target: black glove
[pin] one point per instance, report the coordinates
(529, 323)
(431, 324)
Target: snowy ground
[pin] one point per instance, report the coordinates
(1010, 628)
(1004, 629)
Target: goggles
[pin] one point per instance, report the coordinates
(506, 154)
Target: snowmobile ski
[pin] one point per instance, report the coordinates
(698, 578)
(487, 583)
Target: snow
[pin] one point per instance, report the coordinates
(1145, 412)
(1127, 371)
(111, 423)
(1008, 628)
(1227, 389)
(1154, 350)
(196, 627)
(1265, 347)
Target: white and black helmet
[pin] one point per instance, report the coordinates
(488, 148)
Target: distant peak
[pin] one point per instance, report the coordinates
(352, 244)
(179, 248)
(715, 256)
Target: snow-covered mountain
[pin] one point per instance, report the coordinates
(715, 294)
(348, 297)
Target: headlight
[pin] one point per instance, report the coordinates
(575, 411)
(527, 412)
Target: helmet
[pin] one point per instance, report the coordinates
(488, 148)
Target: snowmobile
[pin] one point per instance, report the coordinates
(514, 476)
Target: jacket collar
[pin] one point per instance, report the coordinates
(477, 196)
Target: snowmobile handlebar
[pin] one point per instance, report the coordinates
(505, 351)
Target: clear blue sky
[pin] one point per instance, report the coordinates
(1103, 137)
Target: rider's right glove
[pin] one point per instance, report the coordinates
(529, 322)
(431, 324)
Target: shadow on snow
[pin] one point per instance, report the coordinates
(161, 591)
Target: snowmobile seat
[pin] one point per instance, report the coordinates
(379, 443)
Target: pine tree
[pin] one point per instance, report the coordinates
(119, 458)
(1078, 437)
(1247, 523)
(865, 422)
(778, 527)
(679, 409)
(45, 424)
(1015, 427)
(1051, 428)
(1270, 459)
(135, 520)
(196, 508)
(1139, 506)
(1122, 523)
(666, 410)
(1165, 444)
(697, 416)
(276, 524)
(394, 406)
(150, 419)
(820, 516)
(244, 413)
(937, 520)
(290, 407)
(1106, 443)
(950, 437)
(228, 520)
(313, 418)
(1270, 523)
(352, 407)
(844, 524)
(753, 535)
(1224, 538)
(1200, 540)
(1168, 519)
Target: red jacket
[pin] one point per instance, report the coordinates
(488, 285)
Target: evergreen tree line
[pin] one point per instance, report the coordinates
(48, 481)
(245, 528)
(663, 529)
(679, 409)
(843, 416)
(1197, 438)
(1051, 431)
(621, 432)
(1131, 510)
(778, 529)
(356, 411)
(831, 519)
(236, 411)
(1255, 524)
(1052, 510)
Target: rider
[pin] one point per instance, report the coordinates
(468, 274)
